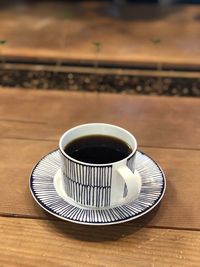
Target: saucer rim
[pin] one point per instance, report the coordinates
(145, 211)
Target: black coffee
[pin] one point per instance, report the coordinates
(98, 149)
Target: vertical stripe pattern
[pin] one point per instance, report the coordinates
(44, 192)
(87, 185)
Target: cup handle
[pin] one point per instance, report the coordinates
(133, 183)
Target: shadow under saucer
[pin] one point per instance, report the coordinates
(91, 233)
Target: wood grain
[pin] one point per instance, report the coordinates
(179, 208)
(26, 242)
(30, 125)
(45, 115)
(59, 30)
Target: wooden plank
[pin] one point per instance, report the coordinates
(68, 31)
(26, 242)
(179, 208)
(155, 121)
(103, 70)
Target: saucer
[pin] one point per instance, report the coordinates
(46, 178)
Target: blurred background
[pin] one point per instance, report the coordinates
(124, 46)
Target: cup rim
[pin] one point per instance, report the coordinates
(96, 164)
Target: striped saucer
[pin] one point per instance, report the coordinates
(44, 183)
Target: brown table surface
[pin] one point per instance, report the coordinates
(68, 30)
(168, 129)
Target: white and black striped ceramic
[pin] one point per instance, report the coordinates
(46, 189)
(100, 185)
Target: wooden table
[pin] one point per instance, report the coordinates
(68, 30)
(168, 129)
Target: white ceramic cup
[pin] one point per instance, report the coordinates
(100, 185)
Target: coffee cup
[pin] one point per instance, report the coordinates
(98, 165)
